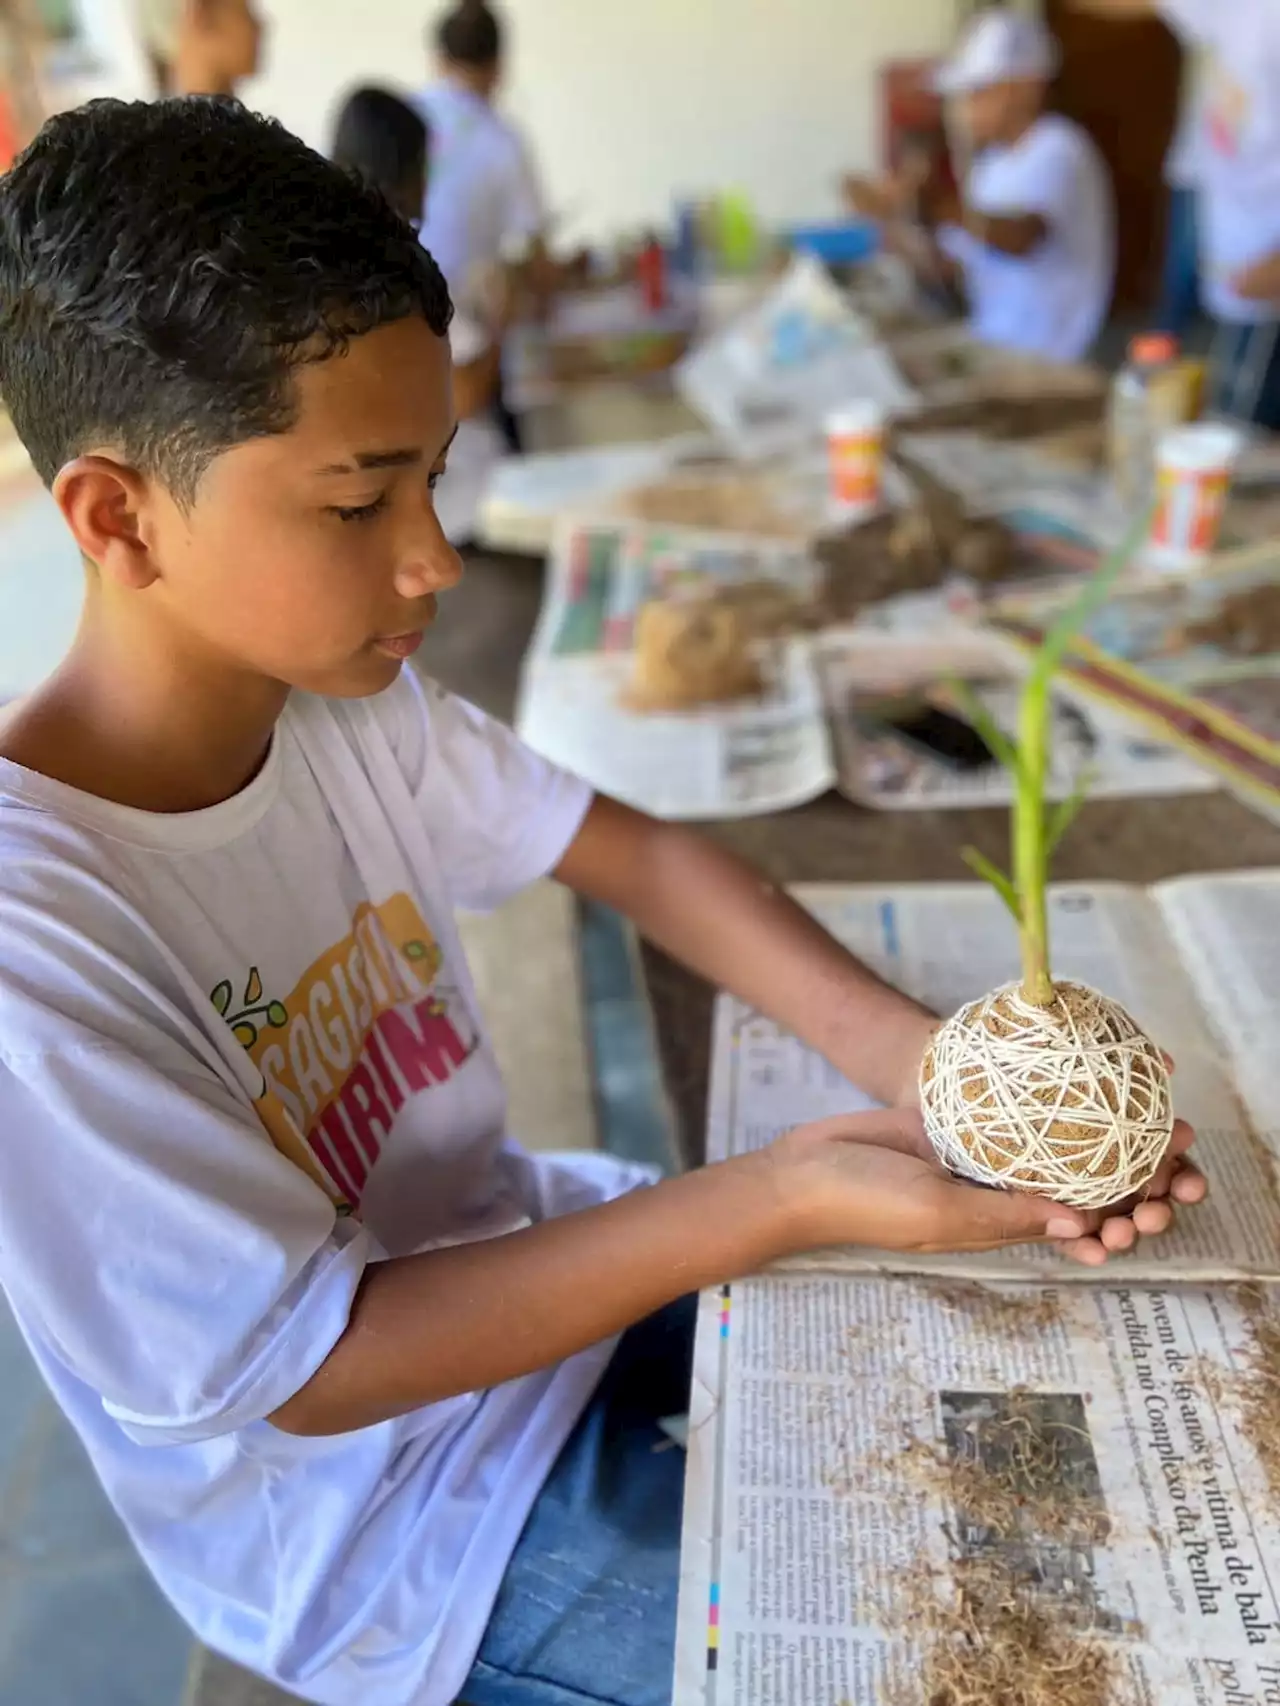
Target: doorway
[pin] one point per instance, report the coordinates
(1120, 82)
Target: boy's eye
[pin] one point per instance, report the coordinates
(361, 512)
(434, 478)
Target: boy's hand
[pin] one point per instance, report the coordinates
(873, 1179)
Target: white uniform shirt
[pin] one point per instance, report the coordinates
(240, 1060)
(482, 193)
(476, 449)
(1239, 141)
(1054, 301)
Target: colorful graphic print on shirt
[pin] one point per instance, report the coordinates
(1227, 110)
(366, 1026)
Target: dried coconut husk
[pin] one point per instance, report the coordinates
(1256, 1389)
(984, 1635)
(1071, 1100)
(1012, 417)
(703, 648)
(991, 1643)
(691, 652)
(1247, 624)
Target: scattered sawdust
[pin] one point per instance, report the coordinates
(983, 1633)
(1012, 1315)
(1013, 1477)
(1256, 1390)
(989, 1643)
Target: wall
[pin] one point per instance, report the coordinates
(628, 104)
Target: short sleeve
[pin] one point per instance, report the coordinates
(1197, 19)
(1048, 179)
(157, 1243)
(498, 815)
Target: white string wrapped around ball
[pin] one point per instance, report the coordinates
(1071, 1101)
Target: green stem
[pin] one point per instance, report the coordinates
(1030, 840)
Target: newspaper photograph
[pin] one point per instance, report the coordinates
(1160, 953)
(869, 681)
(900, 1489)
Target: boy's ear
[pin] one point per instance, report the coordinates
(107, 505)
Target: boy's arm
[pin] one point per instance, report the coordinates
(743, 934)
(429, 1327)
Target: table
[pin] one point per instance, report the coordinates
(476, 648)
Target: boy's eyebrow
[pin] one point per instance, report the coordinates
(382, 459)
(373, 459)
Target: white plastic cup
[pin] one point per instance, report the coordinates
(855, 452)
(1194, 465)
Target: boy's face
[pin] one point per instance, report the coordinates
(313, 557)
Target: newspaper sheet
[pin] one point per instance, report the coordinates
(876, 768)
(947, 944)
(844, 1436)
(766, 380)
(527, 495)
(721, 761)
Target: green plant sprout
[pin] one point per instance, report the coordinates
(1037, 830)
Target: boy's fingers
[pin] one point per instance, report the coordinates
(974, 1216)
(1189, 1185)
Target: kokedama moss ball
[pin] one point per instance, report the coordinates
(1071, 1101)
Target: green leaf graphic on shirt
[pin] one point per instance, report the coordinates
(246, 1025)
(415, 950)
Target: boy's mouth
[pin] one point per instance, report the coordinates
(401, 645)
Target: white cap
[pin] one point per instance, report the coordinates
(999, 46)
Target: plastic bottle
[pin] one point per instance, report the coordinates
(1143, 405)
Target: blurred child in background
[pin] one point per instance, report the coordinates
(385, 142)
(200, 47)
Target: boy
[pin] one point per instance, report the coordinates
(345, 1358)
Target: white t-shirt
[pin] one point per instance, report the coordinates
(1052, 302)
(482, 192)
(1239, 143)
(1182, 162)
(477, 448)
(240, 1060)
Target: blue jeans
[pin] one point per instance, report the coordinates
(1246, 374)
(586, 1615)
(1180, 282)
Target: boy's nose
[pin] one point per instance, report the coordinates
(427, 561)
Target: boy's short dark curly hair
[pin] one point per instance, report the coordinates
(165, 266)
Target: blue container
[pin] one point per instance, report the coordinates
(839, 245)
